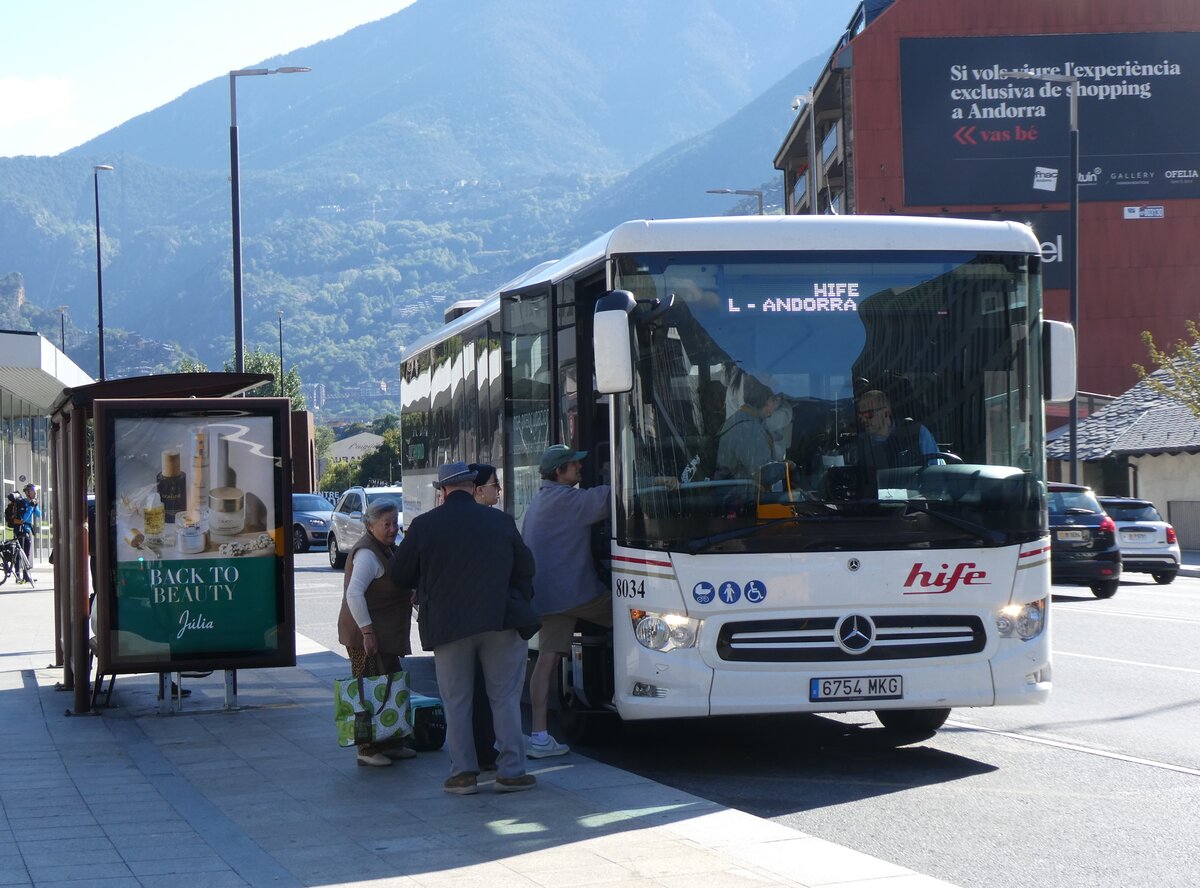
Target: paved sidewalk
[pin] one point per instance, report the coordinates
(263, 796)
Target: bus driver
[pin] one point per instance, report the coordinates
(887, 444)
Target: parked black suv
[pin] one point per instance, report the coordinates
(1083, 540)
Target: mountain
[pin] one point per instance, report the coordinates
(426, 158)
(736, 154)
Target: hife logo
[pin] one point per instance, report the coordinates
(926, 582)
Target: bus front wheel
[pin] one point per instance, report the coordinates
(923, 722)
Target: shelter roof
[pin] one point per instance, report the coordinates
(163, 385)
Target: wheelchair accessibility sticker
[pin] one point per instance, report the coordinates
(755, 591)
(704, 593)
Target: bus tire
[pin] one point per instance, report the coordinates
(915, 722)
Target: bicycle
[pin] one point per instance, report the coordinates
(13, 560)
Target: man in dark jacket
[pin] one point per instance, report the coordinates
(462, 558)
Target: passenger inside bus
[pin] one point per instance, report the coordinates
(744, 444)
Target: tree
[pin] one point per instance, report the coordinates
(385, 423)
(340, 475)
(1176, 373)
(382, 465)
(188, 364)
(259, 361)
(323, 438)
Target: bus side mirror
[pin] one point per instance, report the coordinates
(1058, 362)
(610, 342)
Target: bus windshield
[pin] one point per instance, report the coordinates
(831, 400)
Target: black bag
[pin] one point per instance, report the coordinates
(11, 518)
(520, 615)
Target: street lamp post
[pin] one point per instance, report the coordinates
(239, 356)
(757, 194)
(281, 374)
(1072, 84)
(62, 329)
(99, 276)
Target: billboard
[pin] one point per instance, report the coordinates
(972, 136)
(194, 563)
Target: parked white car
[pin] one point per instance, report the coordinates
(1148, 543)
(348, 519)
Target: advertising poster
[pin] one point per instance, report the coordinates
(190, 511)
(973, 136)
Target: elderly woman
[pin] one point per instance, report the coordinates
(376, 615)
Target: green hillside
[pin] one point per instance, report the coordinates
(426, 158)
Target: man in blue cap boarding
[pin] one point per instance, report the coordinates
(557, 530)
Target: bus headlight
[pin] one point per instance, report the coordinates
(664, 632)
(1025, 621)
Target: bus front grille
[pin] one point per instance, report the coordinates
(815, 640)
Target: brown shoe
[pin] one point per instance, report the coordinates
(462, 783)
(515, 784)
(396, 753)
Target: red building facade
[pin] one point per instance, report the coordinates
(912, 116)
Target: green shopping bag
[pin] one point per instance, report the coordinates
(372, 708)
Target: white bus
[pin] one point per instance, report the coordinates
(810, 571)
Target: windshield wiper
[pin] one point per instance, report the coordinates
(991, 536)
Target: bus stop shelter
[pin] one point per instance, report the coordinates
(70, 457)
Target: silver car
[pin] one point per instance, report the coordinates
(1148, 543)
(311, 517)
(348, 519)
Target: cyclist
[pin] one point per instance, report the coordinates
(28, 513)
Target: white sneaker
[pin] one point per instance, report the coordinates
(551, 747)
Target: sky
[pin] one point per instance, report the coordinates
(73, 69)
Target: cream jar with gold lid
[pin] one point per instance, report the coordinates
(226, 511)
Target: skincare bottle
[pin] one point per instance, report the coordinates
(153, 517)
(222, 473)
(191, 533)
(226, 501)
(172, 484)
(197, 500)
